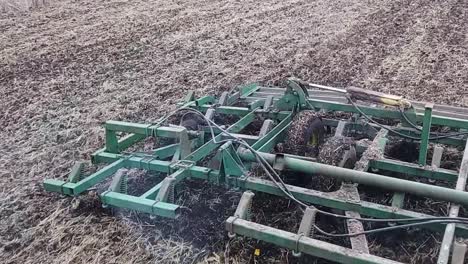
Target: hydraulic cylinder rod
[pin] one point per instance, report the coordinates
(366, 178)
(367, 95)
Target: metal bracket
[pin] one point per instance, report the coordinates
(224, 98)
(243, 211)
(340, 128)
(295, 95)
(268, 102)
(119, 182)
(210, 113)
(436, 158)
(300, 90)
(306, 227)
(184, 144)
(167, 191)
(76, 173)
(459, 252)
(182, 165)
(266, 127)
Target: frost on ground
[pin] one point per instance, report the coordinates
(68, 66)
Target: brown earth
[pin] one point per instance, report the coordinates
(68, 66)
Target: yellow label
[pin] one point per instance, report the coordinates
(257, 252)
(314, 140)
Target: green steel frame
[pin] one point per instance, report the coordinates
(229, 166)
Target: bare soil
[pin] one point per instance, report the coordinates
(68, 66)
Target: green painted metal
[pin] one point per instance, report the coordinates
(211, 145)
(178, 176)
(384, 182)
(249, 89)
(140, 204)
(112, 144)
(284, 124)
(122, 143)
(144, 129)
(166, 151)
(335, 200)
(84, 184)
(300, 243)
(425, 134)
(231, 163)
(412, 169)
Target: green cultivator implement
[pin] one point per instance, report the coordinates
(307, 132)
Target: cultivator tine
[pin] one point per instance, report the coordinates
(223, 100)
(243, 210)
(306, 228)
(459, 252)
(176, 156)
(351, 192)
(349, 158)
(184, 148)
(358, 243)
(210, 113)
(76, 173)
(437, 156)
(119, 182)
(340, 129)
(266, 127)
(268, 102)
(245, 206)
(184, 144)
(189, 97)
(166, 192)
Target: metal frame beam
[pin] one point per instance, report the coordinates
(301, 243)
(384, 182)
